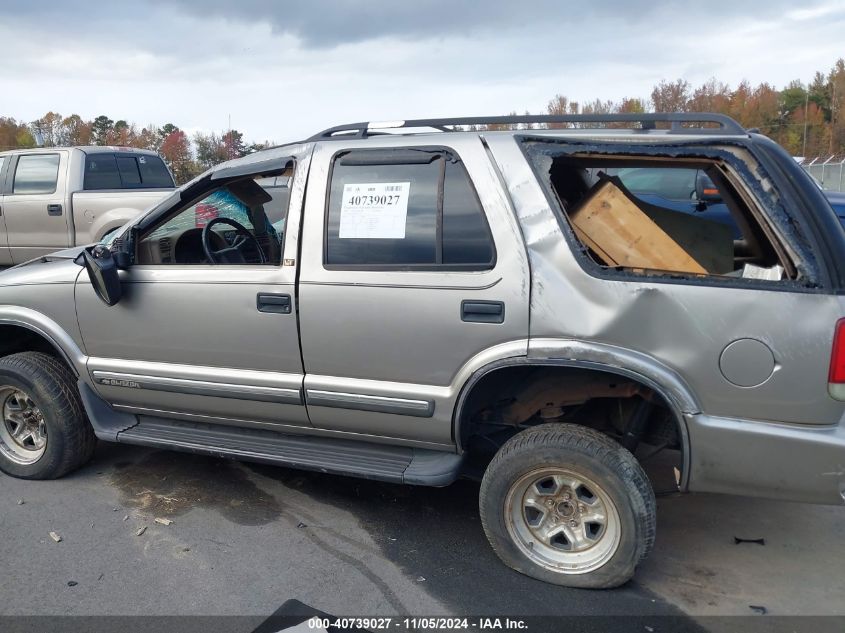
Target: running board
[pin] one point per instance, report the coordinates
(368, 460)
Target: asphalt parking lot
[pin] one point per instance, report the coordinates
(244, 539)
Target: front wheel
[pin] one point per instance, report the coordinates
(565, 504)
(44, 432)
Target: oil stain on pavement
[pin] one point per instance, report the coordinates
(168, 484)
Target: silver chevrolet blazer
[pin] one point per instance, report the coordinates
(544, 303)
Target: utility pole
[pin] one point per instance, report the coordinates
(832, 113)
(806, 107)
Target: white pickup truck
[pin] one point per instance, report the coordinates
(58, 197)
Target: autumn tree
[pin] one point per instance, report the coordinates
(76, 131)
(210, 149)
(671, 96)
(166, 130)
(599, 106)
(561, 105)
(764, 109)
(233, 142)
(630, 105)
(711, 96)
(176, 151)
(148, 138)
(14, 135)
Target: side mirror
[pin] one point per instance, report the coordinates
(705, 190)
(102, 270)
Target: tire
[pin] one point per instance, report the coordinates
(542, 501)
(40, 404)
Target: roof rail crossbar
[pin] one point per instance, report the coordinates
(718, 123)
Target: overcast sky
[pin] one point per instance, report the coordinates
(284, 70)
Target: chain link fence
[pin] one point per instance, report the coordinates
(831, 175)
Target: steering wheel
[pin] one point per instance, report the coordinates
(230, 254)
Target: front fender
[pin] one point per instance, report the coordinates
(48, 329)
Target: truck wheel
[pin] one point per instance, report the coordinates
(44, 433)
(565, 504)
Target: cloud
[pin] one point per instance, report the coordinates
(332, 22)
(327, 23)
(812, 13)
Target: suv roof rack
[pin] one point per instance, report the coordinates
(647, 121)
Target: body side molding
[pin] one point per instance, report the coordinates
(200, 387)
(364, 402)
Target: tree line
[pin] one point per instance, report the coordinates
(186, 156)
(807, 119)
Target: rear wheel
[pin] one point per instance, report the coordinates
(44, 432)
(568, 505)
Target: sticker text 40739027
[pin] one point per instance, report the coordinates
(374, 210)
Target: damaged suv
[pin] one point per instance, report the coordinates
(414, 302)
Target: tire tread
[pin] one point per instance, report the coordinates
(592, 444)
(56, 379)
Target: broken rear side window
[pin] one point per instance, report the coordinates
(675, 216)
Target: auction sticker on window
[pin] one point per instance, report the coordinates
(374, 210)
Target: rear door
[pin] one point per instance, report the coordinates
(34, 206)
(411, 265)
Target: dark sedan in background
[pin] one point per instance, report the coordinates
(837, 201)
(691, 191)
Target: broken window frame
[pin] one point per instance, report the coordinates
(736, 166)
(733, 196)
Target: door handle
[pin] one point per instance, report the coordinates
(483, 311)
(54, 209)
(273, 303)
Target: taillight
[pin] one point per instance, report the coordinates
(837, 354)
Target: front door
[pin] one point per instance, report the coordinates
(35, 207)
(206, 329)
(411, 266)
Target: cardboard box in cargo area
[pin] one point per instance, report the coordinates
(629, 234)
